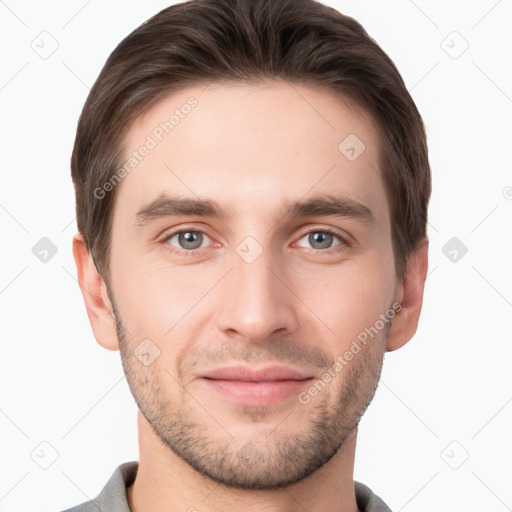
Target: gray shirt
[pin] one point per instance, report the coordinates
(113, 496)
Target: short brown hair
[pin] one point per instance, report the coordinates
(298, 41)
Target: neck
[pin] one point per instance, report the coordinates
(165, 482)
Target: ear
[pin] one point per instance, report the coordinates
(94, 292)
(410, 296)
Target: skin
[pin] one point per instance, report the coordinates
(299, 303)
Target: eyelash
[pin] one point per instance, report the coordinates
(183, 252)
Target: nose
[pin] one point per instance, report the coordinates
(255, 299)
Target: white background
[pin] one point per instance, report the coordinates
(445, 396)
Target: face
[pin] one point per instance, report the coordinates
(251, 253)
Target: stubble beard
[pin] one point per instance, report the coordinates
(275, 460)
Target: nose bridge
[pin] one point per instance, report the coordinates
(255, 302)
(252, 272)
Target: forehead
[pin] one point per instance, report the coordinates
(250, 145)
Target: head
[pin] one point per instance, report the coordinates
(252, 184)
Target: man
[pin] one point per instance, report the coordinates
(252, 185)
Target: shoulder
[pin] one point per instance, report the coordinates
(112, 498)
(88, 506)
(367, 501)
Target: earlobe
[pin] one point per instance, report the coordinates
(94, 292)
(410, 296)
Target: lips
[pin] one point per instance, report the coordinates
(256, 387)
(246, 374)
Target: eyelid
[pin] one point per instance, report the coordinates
(342, 235)
(182, 228)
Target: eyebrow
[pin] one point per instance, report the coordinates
(325, 205)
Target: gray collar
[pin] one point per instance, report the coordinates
(113, 496)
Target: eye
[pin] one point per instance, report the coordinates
(186, 240)
(323, 239)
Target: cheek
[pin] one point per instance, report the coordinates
(347, 299)
(163, 301)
